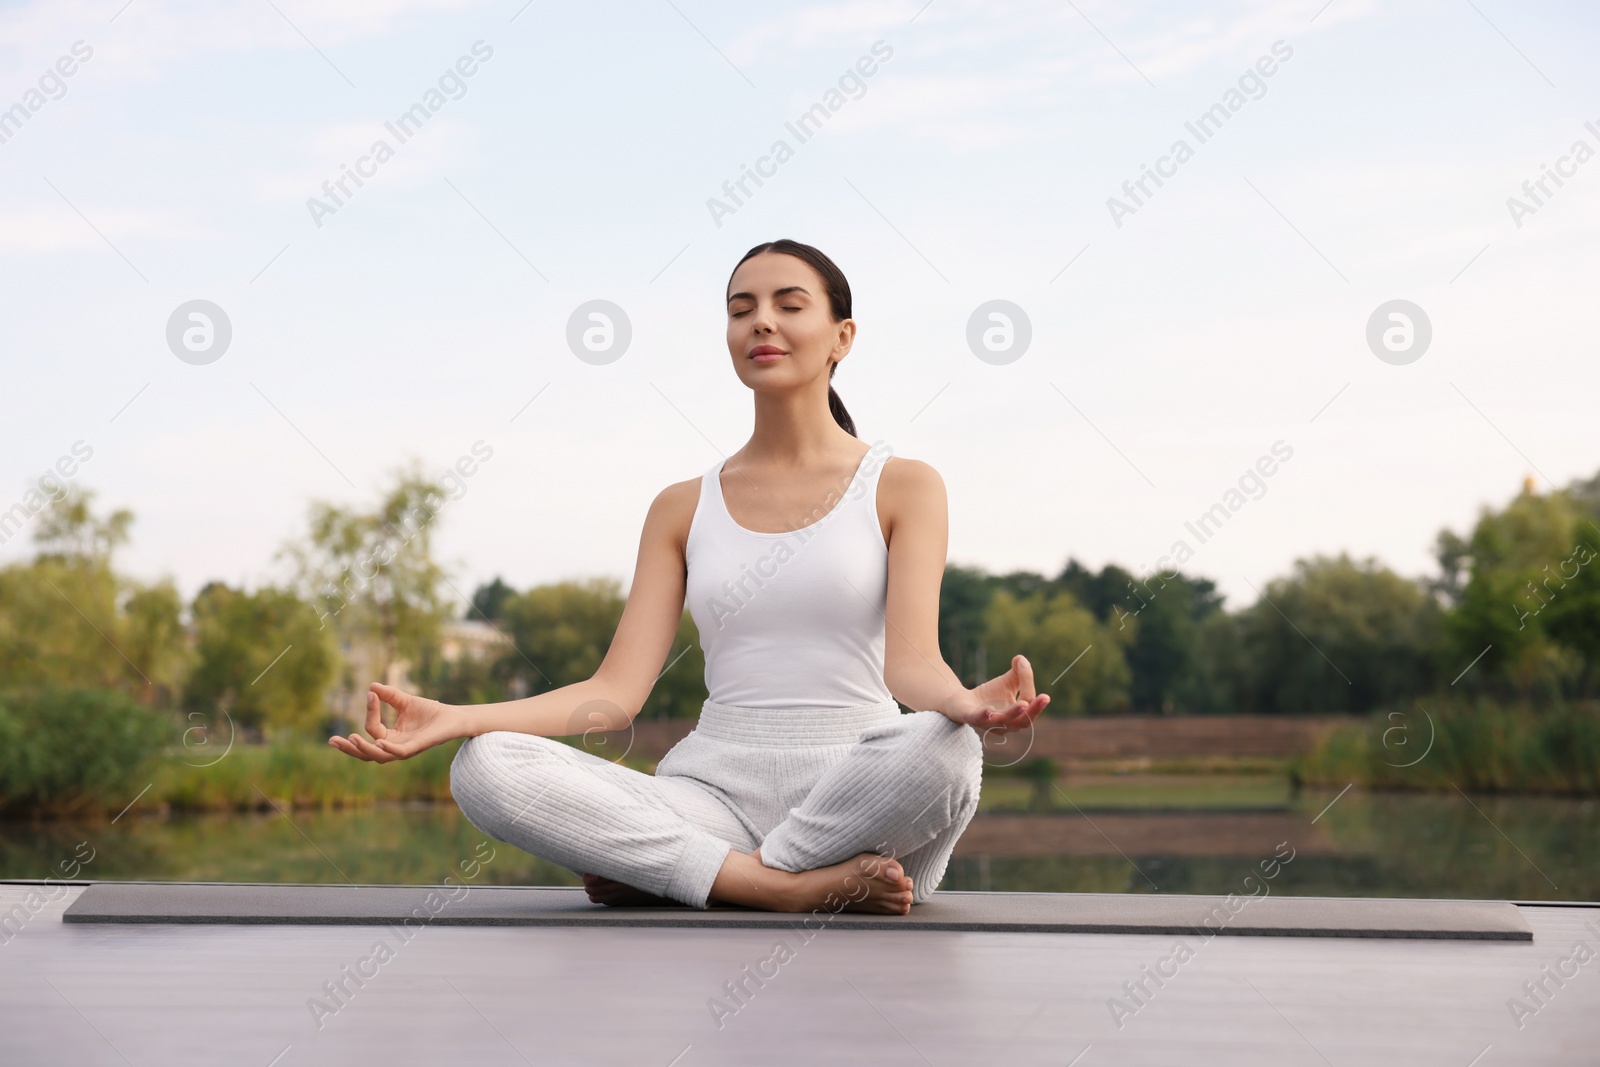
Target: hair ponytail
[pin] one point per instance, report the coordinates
(836, 406)
(838, 290)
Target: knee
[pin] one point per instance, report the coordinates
(477, 766)
(949, 752)
(485, 770)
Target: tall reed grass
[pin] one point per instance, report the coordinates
(1477, 746)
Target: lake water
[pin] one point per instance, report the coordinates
(1085, 839)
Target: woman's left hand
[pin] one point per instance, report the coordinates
(1004, 703)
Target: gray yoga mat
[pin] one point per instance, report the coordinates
(1104, 913)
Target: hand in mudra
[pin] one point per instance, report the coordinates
(420, 723)
(1007, 702)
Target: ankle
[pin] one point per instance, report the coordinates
(746, 881)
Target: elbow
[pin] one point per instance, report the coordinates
(613, 702)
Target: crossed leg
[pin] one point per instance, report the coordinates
(877, 828)
(662, 836)
(907, 790)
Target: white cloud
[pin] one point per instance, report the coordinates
(147, 41)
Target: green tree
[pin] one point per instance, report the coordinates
(371, 574)
(69, 748)
(1076, 659)
(489, 601)
(70, 530)
(964, 597)
(964, 593)
(1338, 635)
(67, 617)
(1166, 673)
(1512, 565)
(261, 657)
(1572, 617)
(562, 632)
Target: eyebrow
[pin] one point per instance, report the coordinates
(785, 291)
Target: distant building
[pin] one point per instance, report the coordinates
(458, 639)
(471, 639)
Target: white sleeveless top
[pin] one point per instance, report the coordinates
(793, 620)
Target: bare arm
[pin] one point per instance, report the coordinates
(913, 667)
(607, 701)
(615, 694)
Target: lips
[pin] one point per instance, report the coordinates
(765, 350)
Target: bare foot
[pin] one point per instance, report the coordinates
(621, 895)
(866, 882)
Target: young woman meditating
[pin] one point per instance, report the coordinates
(811, 566)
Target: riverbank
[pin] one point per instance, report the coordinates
(1125, 761)
(1479, 747)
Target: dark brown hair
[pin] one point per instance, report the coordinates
(838, 290)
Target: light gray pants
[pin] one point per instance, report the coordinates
(809, 787)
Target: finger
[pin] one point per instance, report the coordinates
(369, 750)
(1024, 678)
(345, 746)
(1018, 717)
(397, 749)
(395, 698)
(350, 747)
(375, 725)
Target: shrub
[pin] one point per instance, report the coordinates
(70, 748)
(1482, 747)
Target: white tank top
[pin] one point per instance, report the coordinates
(796, 619)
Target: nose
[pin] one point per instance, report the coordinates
(761, 319)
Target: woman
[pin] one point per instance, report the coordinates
(802, 783)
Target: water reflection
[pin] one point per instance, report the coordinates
(1516, 848)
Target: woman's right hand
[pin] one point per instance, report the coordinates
(420, 723)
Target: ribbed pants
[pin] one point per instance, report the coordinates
(809, 787)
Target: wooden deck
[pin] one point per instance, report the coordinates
(240, 995)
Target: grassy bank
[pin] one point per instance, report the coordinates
(90, 753)
(1478, 747)
(70, 751)
(296, 774)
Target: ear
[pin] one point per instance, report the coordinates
(847, 337)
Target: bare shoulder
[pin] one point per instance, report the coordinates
(910, 491)
(673, 509)
(911, 478)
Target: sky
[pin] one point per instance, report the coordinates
(1178, 336)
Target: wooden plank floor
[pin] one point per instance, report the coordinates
(240, 995)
